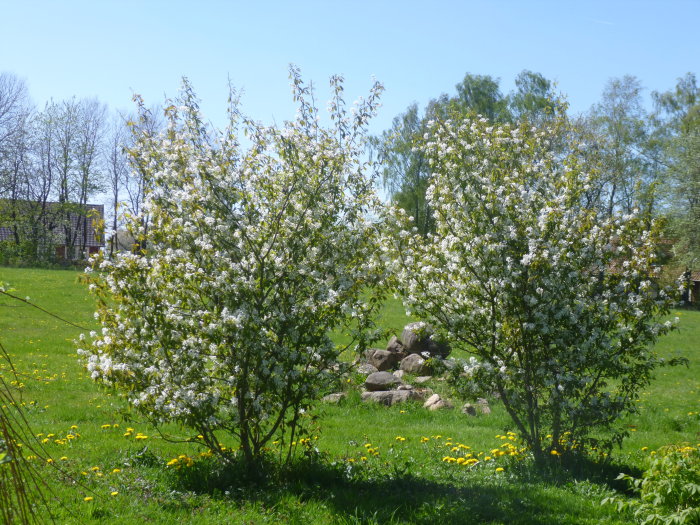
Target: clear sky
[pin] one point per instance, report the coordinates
(111, 48)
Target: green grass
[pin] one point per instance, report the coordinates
(407, 482)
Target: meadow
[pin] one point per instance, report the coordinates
(363, 463)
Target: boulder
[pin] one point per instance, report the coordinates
(389, 397)
(418, 338)
(422, 379)
(480, 407)
(469, 409)
(366, 368)
(435, 402)
(399, 374)
(381, 381)
(413, 364)
(395, 345)
(334, 398)
(413, 337)
(483, 405)
(383, 360)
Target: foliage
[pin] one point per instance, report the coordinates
(253, 257)
(679, 116)
(406, 171)
(559, 307)
(669, 489)
(623, 140)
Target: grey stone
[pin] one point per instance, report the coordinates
(418, 338)
(435, 402)
(381, 381)
(387, 397)
(366, 368)
(395, 345)
(383, 360)
(432, 399)
(483, 405)
(469, 409)
(404, 387)
(422, 379)
(413, 364)
(334, 398)
(413, 336)
(399, 374)
(443, 403)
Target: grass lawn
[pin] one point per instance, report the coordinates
(106, 452)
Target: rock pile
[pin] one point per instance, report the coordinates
(414, 353)
(407, 355)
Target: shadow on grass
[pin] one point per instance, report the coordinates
(359, 495)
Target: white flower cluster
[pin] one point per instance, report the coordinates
(559, 305)
(246, 262)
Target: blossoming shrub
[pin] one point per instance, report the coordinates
(249, 258)
(558, 306)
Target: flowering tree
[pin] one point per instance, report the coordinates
(251, 257)
(558, 306)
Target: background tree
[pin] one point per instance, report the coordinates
(481, 94)
(534, 98)
(406, 170)
(620, 126)
(116, 172)
(678, 113)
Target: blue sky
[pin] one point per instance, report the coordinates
(110, 49)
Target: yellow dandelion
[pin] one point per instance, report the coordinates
(114, 493)
(88, 498)
(500, 469)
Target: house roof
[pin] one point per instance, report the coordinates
(695, 275)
